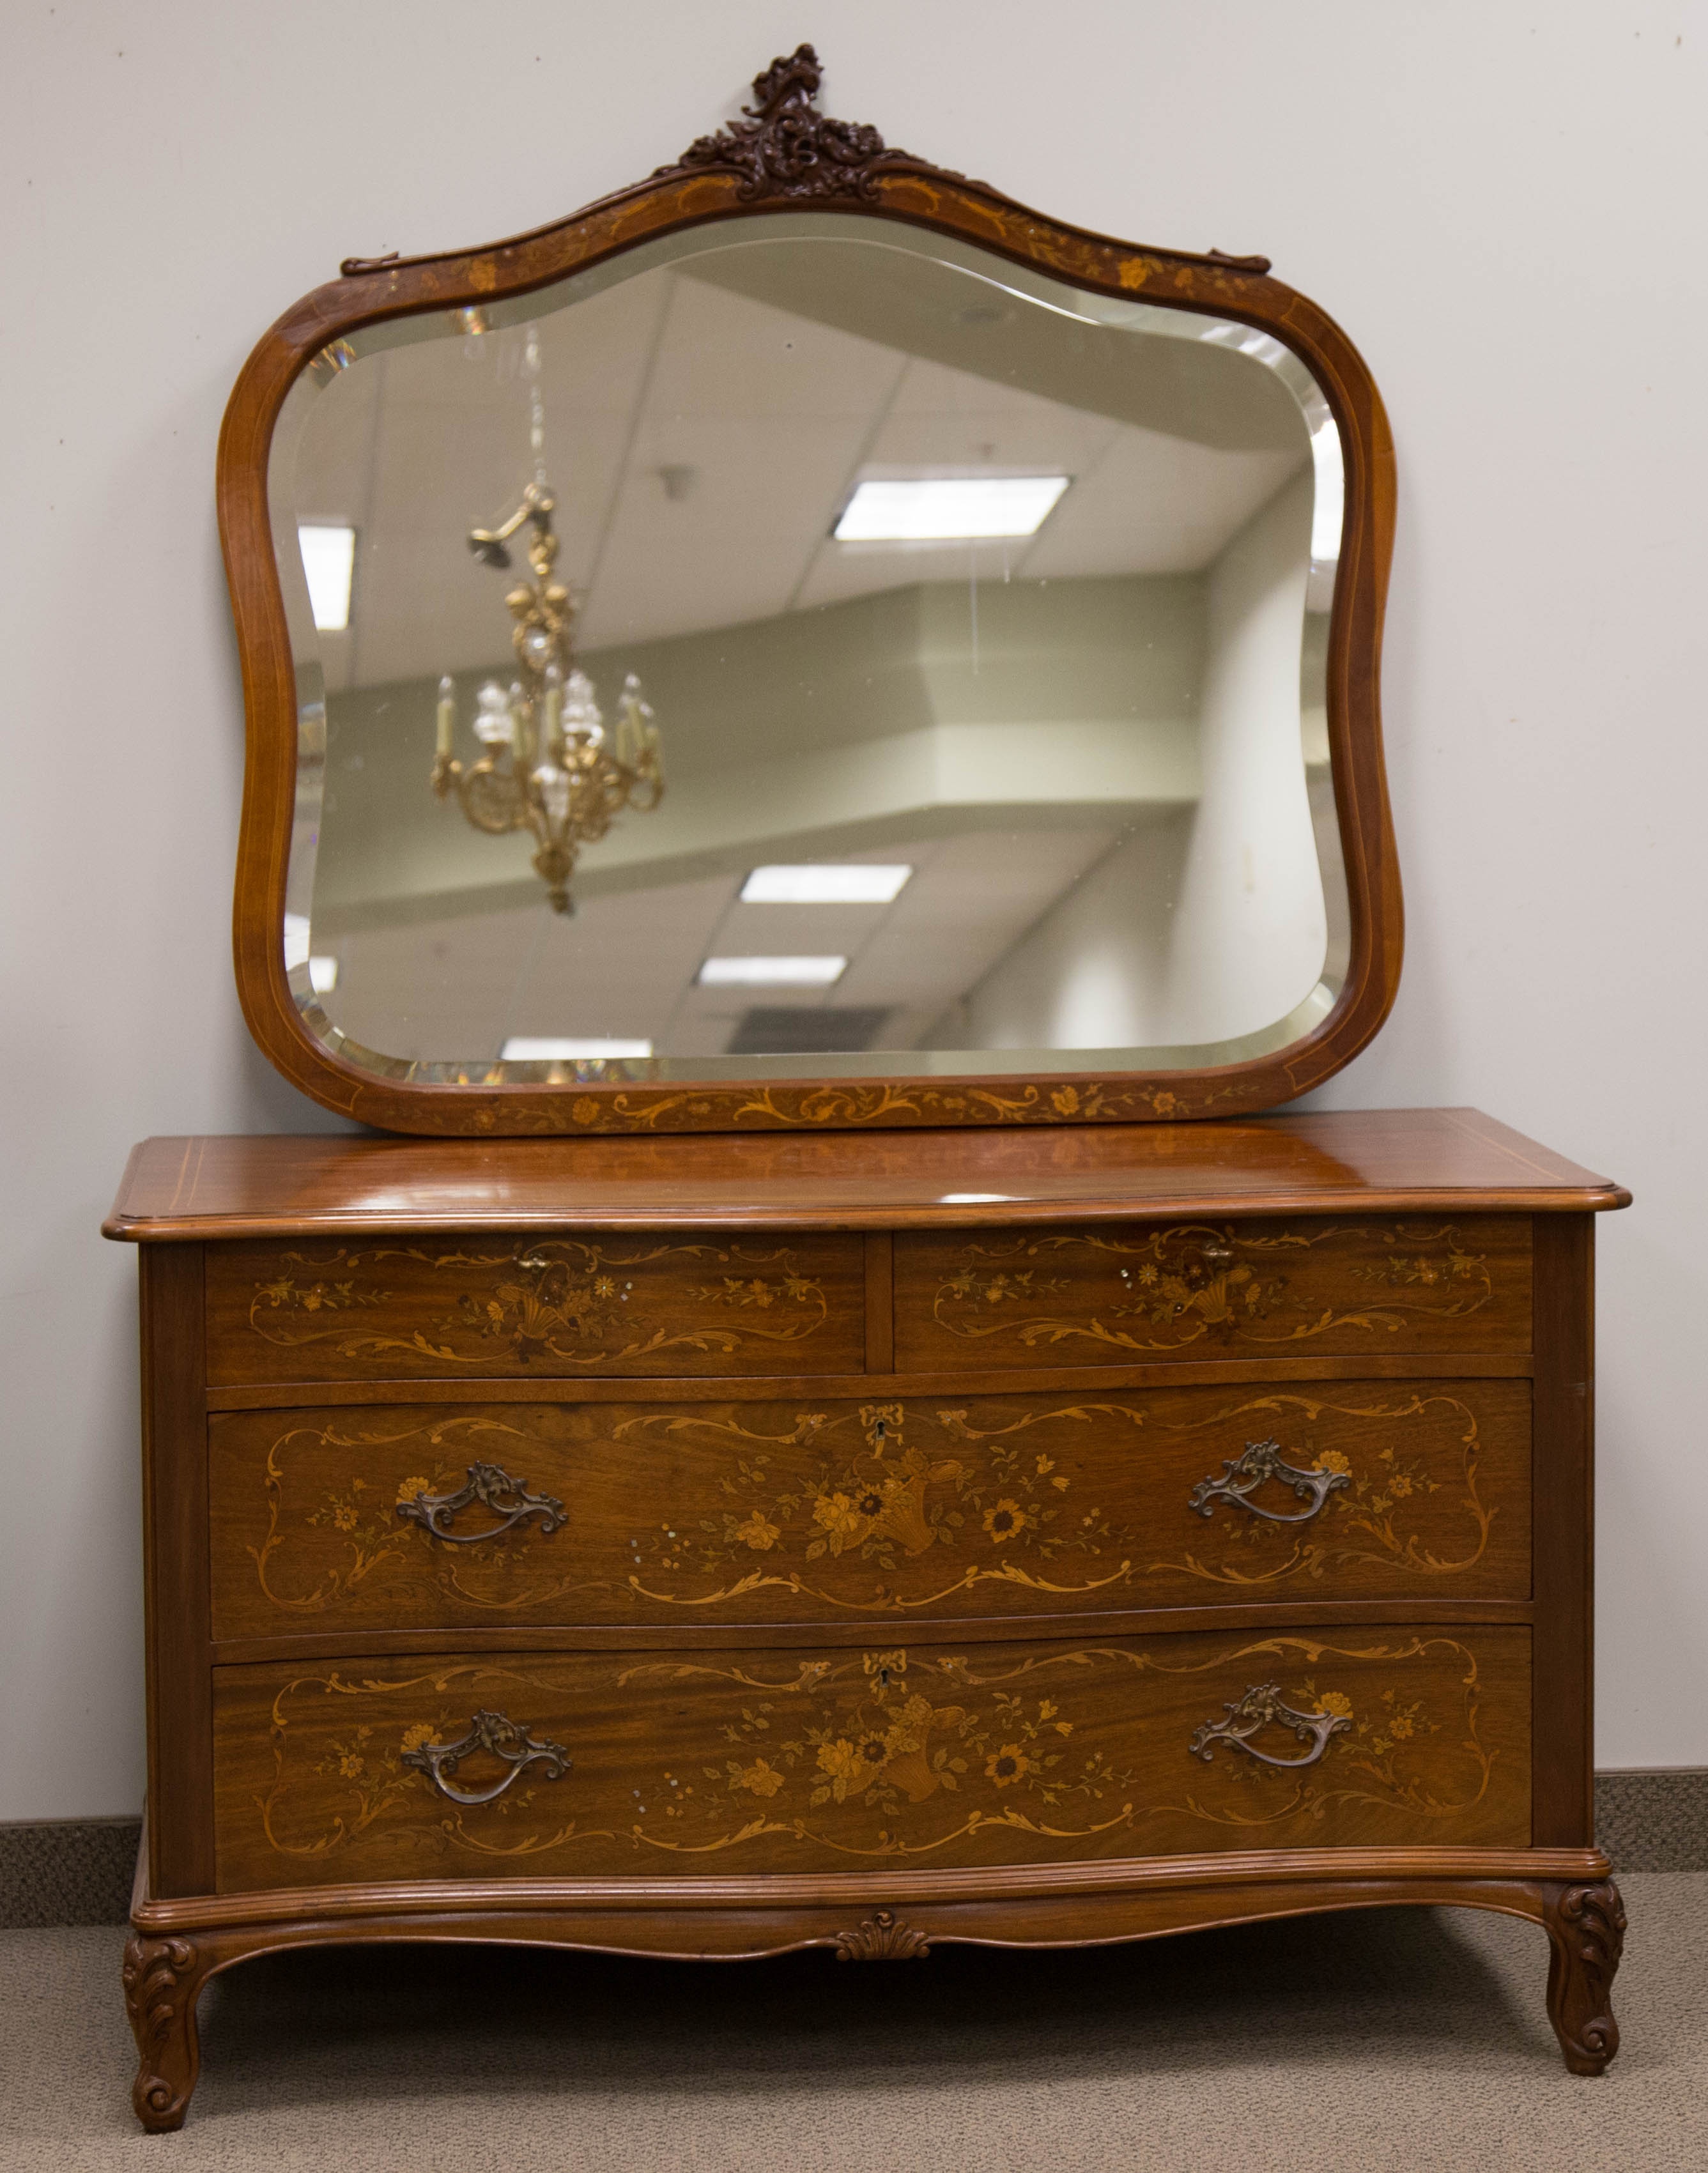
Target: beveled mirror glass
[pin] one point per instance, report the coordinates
(814, 648)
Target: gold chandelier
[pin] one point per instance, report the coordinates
(545, 764)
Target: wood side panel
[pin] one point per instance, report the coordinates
(1564, 1522)
(810, 1511)
(175, 1544)
(1269, 1289)
(510, 1303)
(761, 1762)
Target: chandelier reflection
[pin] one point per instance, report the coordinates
(545, 764)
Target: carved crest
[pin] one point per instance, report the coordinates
(783, 146)
(882, 1937)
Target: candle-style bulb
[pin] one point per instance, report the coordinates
(447, 712)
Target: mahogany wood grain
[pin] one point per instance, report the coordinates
(1184, 1370)
(1260, 1289)
(880, 1301)
(772, 1762)
(1367, 1162)
(808, 1511)
(176, 1571)
(1564, 1511)
(1320, 1615)
(519, 1303)
(165, 1971)
(1221, 1872)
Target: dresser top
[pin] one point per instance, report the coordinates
(1332, 1162)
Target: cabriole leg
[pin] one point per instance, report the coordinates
(1587, 1931)
(163, 1980)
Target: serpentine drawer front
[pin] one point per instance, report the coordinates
(414, 1517)
(1120, 1294)
(503, 1304)
(596, 1764)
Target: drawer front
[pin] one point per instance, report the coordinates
(563, 1307)
(413, 1517)
(1117, 1295)
(770, 1761)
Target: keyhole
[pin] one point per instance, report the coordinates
(883, 1679)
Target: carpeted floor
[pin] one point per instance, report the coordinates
(1413, 2039)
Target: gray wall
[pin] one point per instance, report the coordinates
(1494, 199)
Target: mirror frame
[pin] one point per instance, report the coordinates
(780, 156)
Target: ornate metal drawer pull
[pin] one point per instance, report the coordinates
(1262, 1704)
(1217, 1253)
(1242, 1476)
(490, 1484)
(492, 1731)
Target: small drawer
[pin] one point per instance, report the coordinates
(428, 1516)
(491, 1306)
(596, 1765)
(1128, 1294)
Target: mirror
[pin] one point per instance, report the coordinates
(807, 621)
(981, 623)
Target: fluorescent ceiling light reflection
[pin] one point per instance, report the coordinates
(943, 509)
(519, 1048)
(770, 973)
(329, 560)
(854, 882)
(323, 975)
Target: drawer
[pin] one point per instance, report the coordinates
(428, 1516)
(491, 1306)
(1118, 1294)
(591, 1765)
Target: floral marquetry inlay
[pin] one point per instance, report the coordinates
(551, 1305)
(998, 1505)
(900, 1754)
(1101, 1295)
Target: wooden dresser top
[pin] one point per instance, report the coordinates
(1332, 1162)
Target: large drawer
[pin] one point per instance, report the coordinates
(428, 1516)
(488, 1307)
(591, 1765)
(1116, 1294)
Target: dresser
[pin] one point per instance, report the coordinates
(717, 1547)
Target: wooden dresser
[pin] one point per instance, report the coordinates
(711, 1547)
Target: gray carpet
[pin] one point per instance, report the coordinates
(1406, 2039)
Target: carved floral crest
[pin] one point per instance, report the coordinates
(783, 146)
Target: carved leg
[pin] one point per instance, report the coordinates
(163, 1980)
(1586, 1930)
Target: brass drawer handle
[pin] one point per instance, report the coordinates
(1262, 1704)
(1217, 1252)
(492, 1731)
(1242, 1476)
(491, 1485)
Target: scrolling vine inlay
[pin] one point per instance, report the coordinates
(891, 1508)
(1269, 1286)
(1013, 1755)
(555, 1302)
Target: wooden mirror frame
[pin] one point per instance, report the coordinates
(781, 156)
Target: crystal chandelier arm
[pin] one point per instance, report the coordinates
(538, 505)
